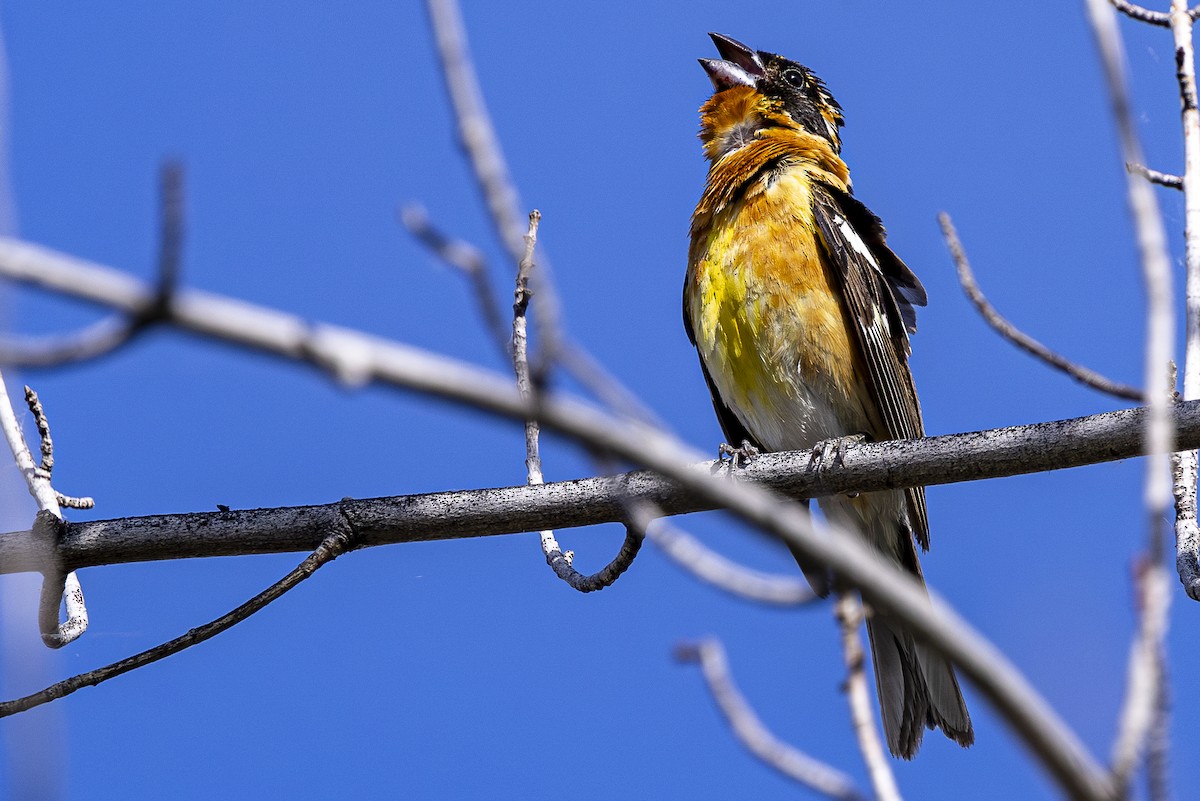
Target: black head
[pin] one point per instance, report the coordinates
(799, 93)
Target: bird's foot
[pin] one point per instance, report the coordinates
(832, 452)
(736, 457)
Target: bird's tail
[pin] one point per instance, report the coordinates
(917, 689)
(916, 684)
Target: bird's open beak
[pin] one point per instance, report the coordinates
(741, 65)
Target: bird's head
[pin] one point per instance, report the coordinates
(756, 89)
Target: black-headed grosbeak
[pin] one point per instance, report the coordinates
(801, 313)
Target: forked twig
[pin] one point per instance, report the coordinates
(108, 335)
(559, 561)
(1002, 326)
(331, 548)
(469, 262)
(59, 587)
(753, 734)
(490, 169)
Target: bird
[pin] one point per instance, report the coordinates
(801, 315)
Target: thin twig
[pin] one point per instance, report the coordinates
(170, 234)
(849, 614)
(1154, 176)
(1142, 691)
(966, 278)
(34, 404)
(333, 546)
(467, 260)
(475, 129)
(754, 735)
(713, 568)
(1158, 762)
(1142, 704)
(1141, 14)
(560, 562)
(490, 169)
(486, 157)
(107, 336)
(58, 586)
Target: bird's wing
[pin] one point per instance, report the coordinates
(879, 293)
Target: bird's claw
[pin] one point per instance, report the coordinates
(737, 457)
(832, 452)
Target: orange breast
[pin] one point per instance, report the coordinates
(766, 310)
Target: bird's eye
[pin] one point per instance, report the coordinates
(795, 77)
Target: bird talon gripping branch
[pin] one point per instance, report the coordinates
(801, 314)
(739, 456)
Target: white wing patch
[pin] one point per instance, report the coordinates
(856, 242)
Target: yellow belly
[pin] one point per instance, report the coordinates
(769, 324)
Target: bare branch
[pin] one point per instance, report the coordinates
(864, 467)
(1184, 466)
(58, 585)
(34, 403)
(1143, 692)
(849, 614)
(1141, 14)
(1154, 176)
(713, 568)
(55, 350)
(754, 735)
(1158, 785)
(1156, 267)
(110, 334)
(1187, 532)
(1002, 326)
(1143, 696)
(560, 562)
(333, 546)
(475, 129)
(170, 234)
(486, 157)
(603, 386)
(467, 260)
(359, 358)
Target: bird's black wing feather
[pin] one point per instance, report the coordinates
(879, 292)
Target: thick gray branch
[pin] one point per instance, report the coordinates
(474, 513)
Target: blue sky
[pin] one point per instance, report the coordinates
(465, 669)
